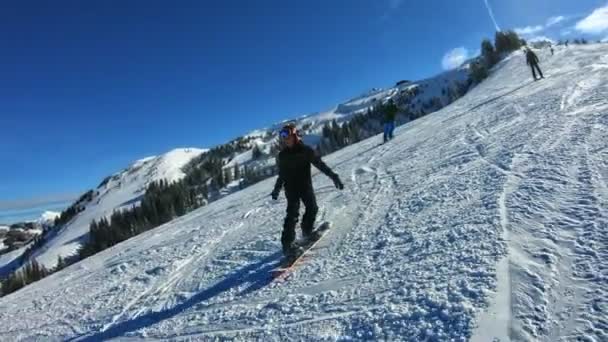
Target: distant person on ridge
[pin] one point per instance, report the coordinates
(294, 162)
(390, 112)
(532, 61)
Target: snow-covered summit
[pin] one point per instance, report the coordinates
(150, 169)
(48, 217)
(120, 190)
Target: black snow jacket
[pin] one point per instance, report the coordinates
(294, 168)
(531, 57)
(390, 113)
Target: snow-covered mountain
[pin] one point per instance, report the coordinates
(120, 190)
(421, 92)
(418, 97)
(486, 221)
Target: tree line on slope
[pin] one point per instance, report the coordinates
(28, 274)
(504, 43)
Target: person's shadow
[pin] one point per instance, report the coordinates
(255, 276)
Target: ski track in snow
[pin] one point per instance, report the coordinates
(485, 221)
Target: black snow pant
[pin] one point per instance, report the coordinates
(307, 196)
(533, 66)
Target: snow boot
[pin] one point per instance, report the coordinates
(292, 251)
(311, 236)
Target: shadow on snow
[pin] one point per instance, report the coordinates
(254, 277)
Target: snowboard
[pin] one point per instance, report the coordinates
(305, 245)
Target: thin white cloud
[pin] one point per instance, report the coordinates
(595, 23)
(18, 204)
(534, 30)
(393, 6)
(454, 58)
(540, 39)
(528, 30)
(491, 13)
(555, 20)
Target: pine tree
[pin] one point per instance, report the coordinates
(205, 191)
(506, 42)
(489, 54)
(227, 177)
(478, 72)
(219, 180)
(237, 172)
(336, 135)
(345, 135)
(256, 152)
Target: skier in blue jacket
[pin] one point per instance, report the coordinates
(390, 114)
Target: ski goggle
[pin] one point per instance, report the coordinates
(285, 133)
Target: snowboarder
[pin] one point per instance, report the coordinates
(532, 61)
(294, 162)
(390, 112)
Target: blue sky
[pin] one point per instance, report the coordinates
(89, 86)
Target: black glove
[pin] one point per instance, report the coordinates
(338, 183)
(275, 195)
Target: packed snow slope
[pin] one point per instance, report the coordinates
(485, 220)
